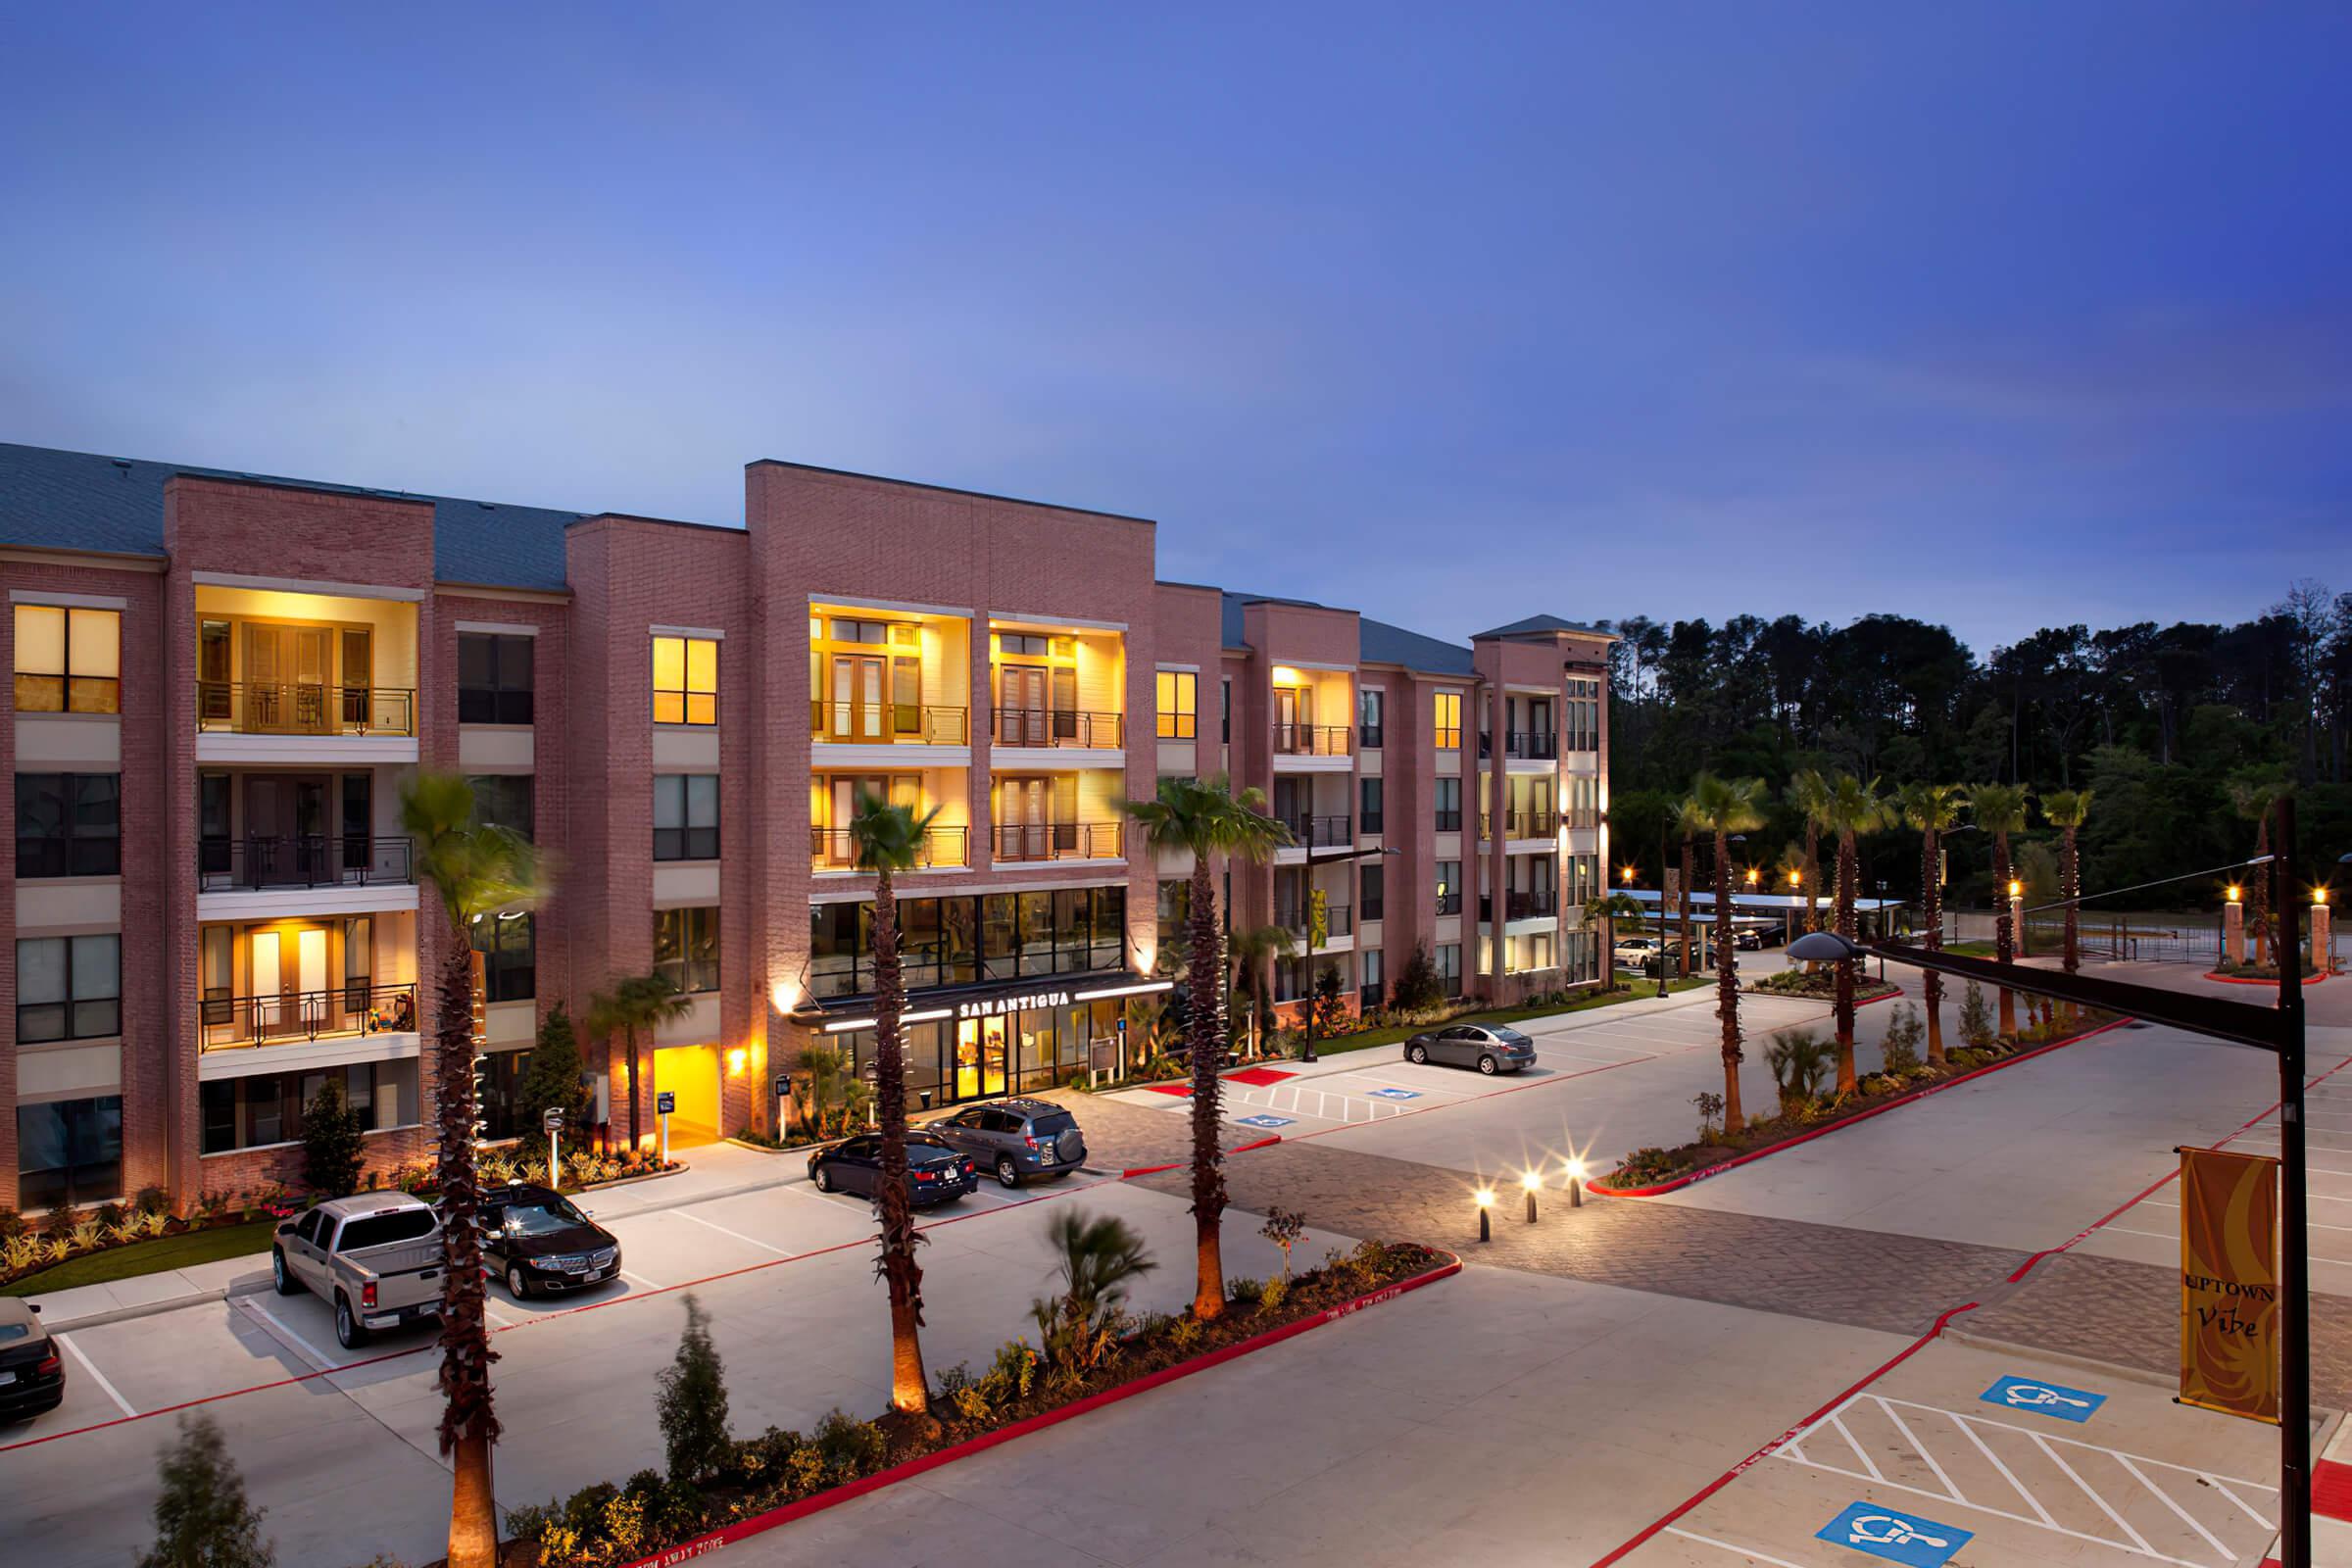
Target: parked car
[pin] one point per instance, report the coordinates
(1747, 940)
(1636, 951)
(935, 1173)
(375, 1258)
(1489, 1048)
(1015, 1138)
(537, 1239)
(32, 1375)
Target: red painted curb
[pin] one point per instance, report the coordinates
(1736, 1471)
(760, 1524)
(1679, 1182)
(1134, 1171)
(2250, 980)
(1262, 1143)
(2332, 1490)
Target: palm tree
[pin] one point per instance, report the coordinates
(2251, 795)
(638, 1002)
(1207, 818)
(1688, 823)
(1723, 806)
(1809, 793)
(1934, 811)
(1606, 908)
(2067, 810)
(1853, 806)
(889, 839)
(477, 869)
(1254, 952)
(2001, 812)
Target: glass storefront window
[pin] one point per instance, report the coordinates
(966, 941)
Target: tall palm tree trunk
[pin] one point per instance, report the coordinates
(468, 1423)
(1812, 878)
(2070, 889)
(2257, 890)
(1931, 909)
(910, 1389)
(1846, 1080)
(1727, 986)
(1687, 892)
(2004, 929)
(1209, 1176)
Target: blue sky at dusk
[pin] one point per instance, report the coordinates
(1997, 314)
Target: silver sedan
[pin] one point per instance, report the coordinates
(1488, 1047)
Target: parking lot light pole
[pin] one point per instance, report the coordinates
(2278, 1029)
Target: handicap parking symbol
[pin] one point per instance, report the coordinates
(1395, 1093)
(1898, 1536)
(1265, 1121)
(2045, 1398)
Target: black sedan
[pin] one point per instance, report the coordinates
(539, 1241)
(935, 1173)
(32, 1375)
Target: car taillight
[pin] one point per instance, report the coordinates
(926, 1176)
(1031, 1142)
(367, 1293)
(49, 1366)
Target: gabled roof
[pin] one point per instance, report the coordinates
(84, 501)
(1540, 623)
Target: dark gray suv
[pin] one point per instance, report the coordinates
(1015, 1138)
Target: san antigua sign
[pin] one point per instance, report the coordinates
(1017, 1001)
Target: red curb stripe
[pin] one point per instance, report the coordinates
(1133, 1171)
(1737, 1470)
(1262, 1143)
(2248, 980)
(760, 1524)
(2332, 1490)
(1679, 1182)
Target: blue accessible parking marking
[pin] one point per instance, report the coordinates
(1395, 1093)
(1895, 1536)
(1264, 1121)
(2046, 1398)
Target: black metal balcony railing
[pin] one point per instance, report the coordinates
(1060, 841)
(1529, 904)
(888, 723)
(1450, 903)
(1319, 832)
(1531, 742)
(1531, 825)
(304, 708)
(1313, 740)
(833, 849)
(1058, 726)
(1338, 921)
(356, 1007)
(300, 861)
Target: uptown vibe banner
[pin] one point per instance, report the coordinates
(2229, 1283)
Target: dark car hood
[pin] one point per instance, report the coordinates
(551, 1243)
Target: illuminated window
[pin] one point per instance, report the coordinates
(1179, 698)
(1449, 724)
(685, 680)
(69, 661)
(686, 947)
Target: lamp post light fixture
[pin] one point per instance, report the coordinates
(1486, 1213)
(1531, 1179)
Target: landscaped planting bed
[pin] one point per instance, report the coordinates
(779, 1475)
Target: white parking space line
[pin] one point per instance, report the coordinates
(749, 1240)
(639, 1279)
(322, 1362)
(96, 1375)
(1749, 1552)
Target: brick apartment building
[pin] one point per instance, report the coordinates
(221, 681)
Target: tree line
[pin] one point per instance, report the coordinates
(2172, 728)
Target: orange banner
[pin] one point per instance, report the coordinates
(2229, 1283)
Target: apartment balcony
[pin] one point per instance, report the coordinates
(1320, 832)
(880, 723)
(943, 848)
(1025, 842)
(247, 721)
(1313, 747)
(302, 875)
(1530, 904)
(1338, 922)
(1056, 738)
(300, 1030)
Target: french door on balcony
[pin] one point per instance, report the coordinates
(839, 808)
(286, 963)
(288, 670)
(857, 714)
(1035, 706)
(1037, 819)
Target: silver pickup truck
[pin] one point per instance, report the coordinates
(375, 1258)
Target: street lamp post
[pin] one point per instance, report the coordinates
(2278, 1029)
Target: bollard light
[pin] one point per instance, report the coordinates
(1530, 1179)
(1486, 1213)
(1576, 1182)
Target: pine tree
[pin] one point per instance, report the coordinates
(332, 1140)
(1976, 1017)
(693, 1401)
(202, 1519)
(554, 1079)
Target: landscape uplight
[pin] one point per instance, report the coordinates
(1575, 1164)
(1530, 1181)
(1486, 1213)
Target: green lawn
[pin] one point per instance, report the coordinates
(1388, 1037)
(148, 1258)
(1971, 949)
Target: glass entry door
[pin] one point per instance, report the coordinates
(979, 1058)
